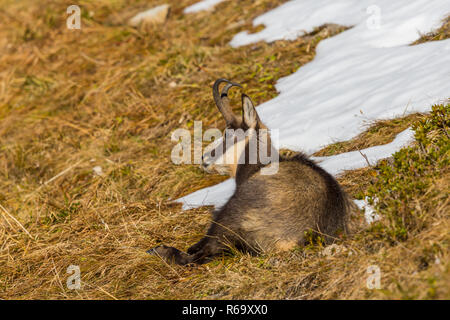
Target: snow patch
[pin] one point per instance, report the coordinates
(202, 5)
(216, 196)
(392, 23)
(366, 73)
(369, 212)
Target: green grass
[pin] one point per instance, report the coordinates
(411, 175)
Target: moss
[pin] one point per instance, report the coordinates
(410, 176)
(62, 214)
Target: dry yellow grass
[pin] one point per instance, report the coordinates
(109, 95)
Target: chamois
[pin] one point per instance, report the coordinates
(267, 211)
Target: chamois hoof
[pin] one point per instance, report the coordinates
(156, 251)
(170, 254)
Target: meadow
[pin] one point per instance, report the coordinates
(109, 96)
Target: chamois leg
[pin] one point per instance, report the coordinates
(197, 246)
(206, 249)
(171, 254)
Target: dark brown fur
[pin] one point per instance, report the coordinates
(270, 212)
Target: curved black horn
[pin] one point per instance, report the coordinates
(223, 103)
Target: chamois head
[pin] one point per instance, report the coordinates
(244, 139)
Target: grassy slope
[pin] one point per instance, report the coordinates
(101, 96)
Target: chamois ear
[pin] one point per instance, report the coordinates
(249, 115)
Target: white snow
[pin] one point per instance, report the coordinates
(362, 74)
(400, 21)
(369, 212)
(219, 194)
(202, 5)
(215, 196)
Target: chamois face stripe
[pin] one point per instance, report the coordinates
(233, 153)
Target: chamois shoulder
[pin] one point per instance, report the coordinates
(305, 160)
